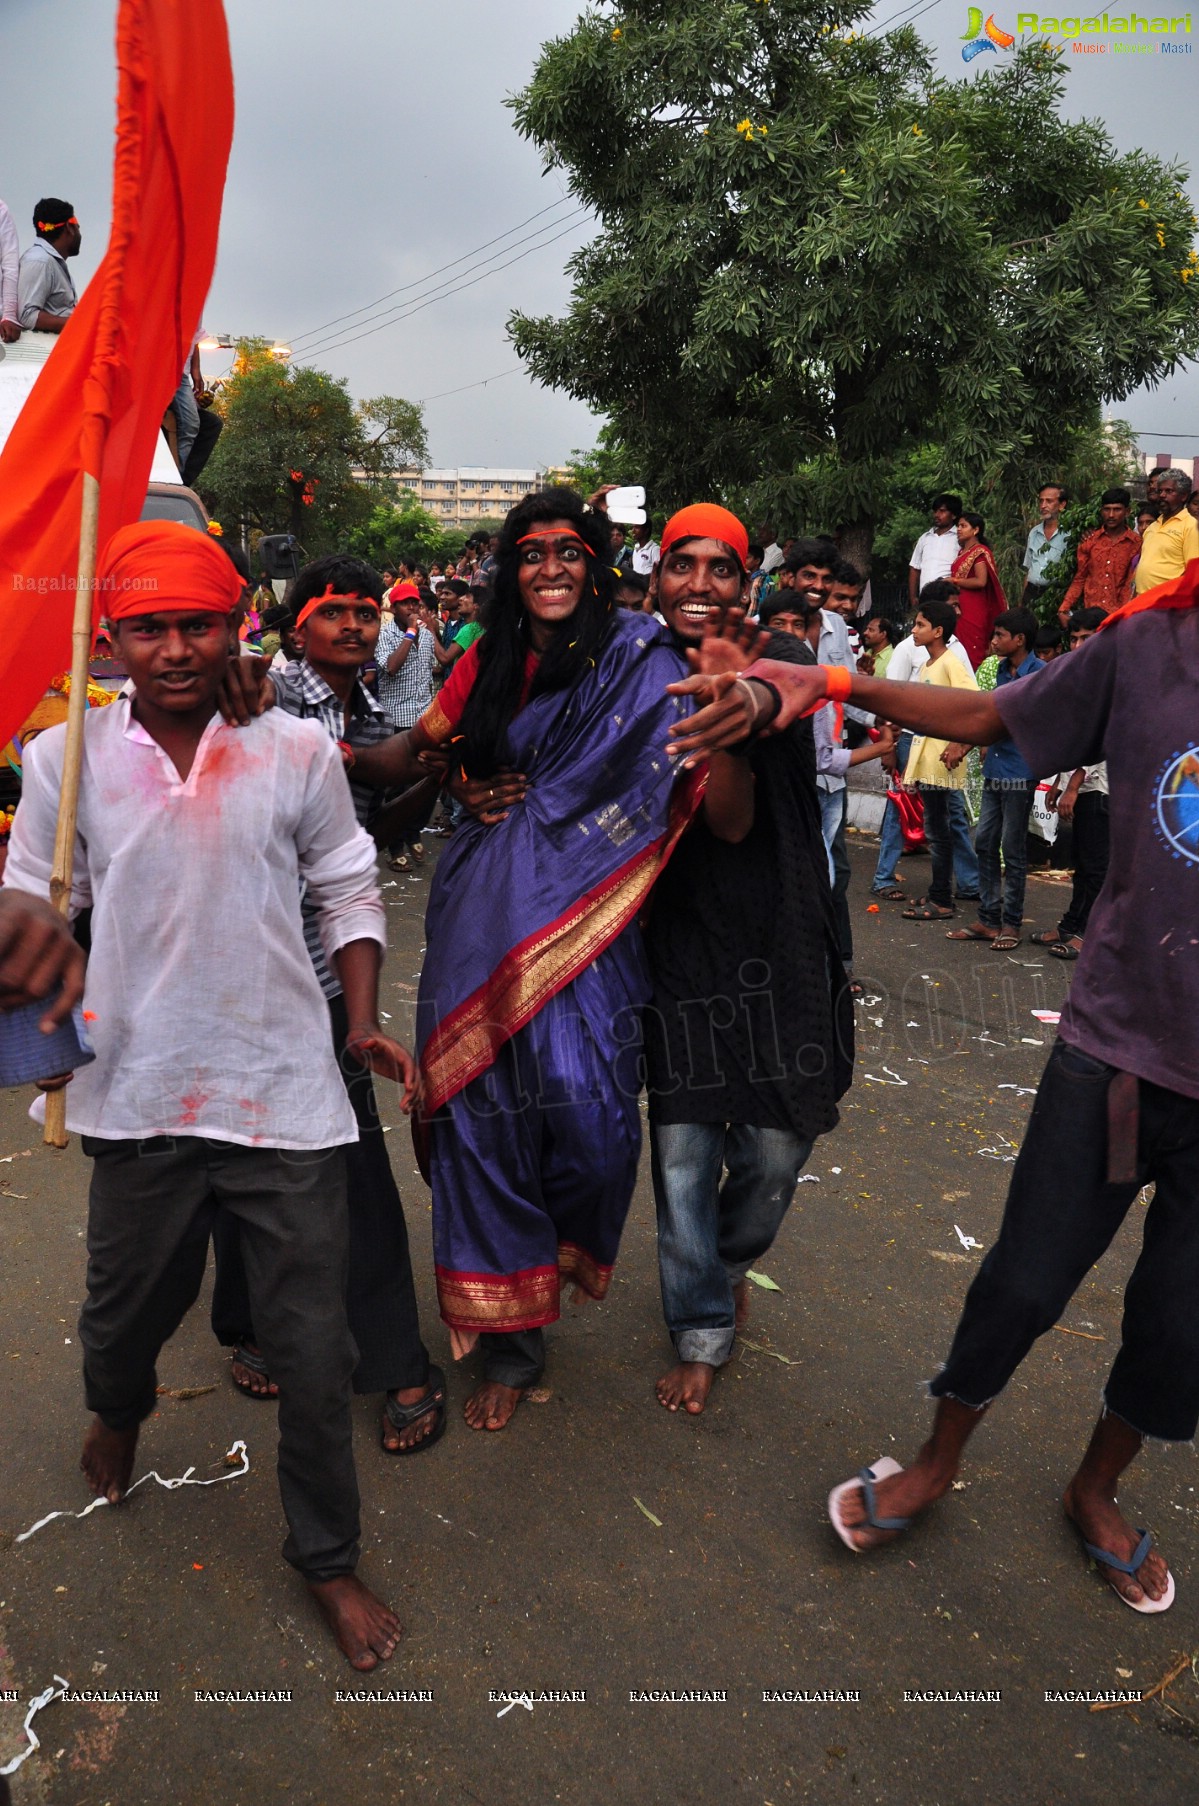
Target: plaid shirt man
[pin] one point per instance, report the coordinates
(299, 690)
(405, 694)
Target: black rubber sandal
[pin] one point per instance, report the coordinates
(402, 1417)
(248, 1357)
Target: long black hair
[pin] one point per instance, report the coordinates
(495, 695)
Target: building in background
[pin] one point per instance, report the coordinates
(469, 493)
(1151, 461)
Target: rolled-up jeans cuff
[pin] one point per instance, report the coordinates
(712, 1346)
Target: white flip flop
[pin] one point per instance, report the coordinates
(1145, 1605)
(866, 1480)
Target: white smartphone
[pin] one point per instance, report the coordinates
(627, 506)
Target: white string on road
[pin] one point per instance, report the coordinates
(238, 1452)
(54, 1691)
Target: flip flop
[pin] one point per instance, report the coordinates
(866, 1479)
(969, 934)
(1063, 950)
(246, 1357)
(401, 1417)
(1146, 1605)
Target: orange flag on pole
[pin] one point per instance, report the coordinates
(97, 406)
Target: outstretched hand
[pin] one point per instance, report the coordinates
(729, 707)
(390, 1060)
(730, 643)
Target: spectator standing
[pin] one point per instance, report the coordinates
(1046, 542)
(932, 631)
(1104, 560)
(45, 292)
(980, 593)
(905, 665)
(879, 639)
(646, 550)
(934, 553)
(1172, 540)
(1008, 787)
(407, 655)
(10, 263)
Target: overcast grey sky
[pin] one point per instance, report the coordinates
(373, 147)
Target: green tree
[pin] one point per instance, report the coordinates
(816, 255)
(403, 529)
(293, 445)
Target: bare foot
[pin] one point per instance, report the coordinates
(107, 1460)
(394, 1440)
(1103, 1523)
(741, 1304)
(248, 1378)
(902, 1495)
(366, 1630)
(490, 1407)
(687, 1384)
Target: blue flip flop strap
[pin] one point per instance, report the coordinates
(866, 1476)
(1113, 1561)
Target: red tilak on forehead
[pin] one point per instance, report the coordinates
(331, 595)
(567, 534)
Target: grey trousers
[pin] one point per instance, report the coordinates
(150, 1215)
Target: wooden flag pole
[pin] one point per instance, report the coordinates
(55, 1134)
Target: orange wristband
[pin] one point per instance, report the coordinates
(839, 682)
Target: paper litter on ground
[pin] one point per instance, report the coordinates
(53, 1692)
(237, 1452)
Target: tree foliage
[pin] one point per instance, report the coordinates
(816, 255)
(293, 438)
(403, 529)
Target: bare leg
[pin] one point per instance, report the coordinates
(687, 1384)
(741, 1304)
(1090, 1501)
(107, 1460)
(907, 1494)
(366, 1630)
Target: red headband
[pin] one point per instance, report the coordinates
(46, 225)
(557, 533)
(704, 520)
(153, 566)
(332, 595)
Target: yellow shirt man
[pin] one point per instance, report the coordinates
(1166, 549)
(924, 761)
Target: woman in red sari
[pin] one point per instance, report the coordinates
(980, 595)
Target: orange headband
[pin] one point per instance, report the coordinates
(153, 566)
(331, 595)
(46, 225)
(704, 520)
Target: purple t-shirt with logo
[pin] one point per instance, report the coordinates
(1130, 695)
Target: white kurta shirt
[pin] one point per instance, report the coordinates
(207, 1016)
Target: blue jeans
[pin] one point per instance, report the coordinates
(1003, 828)
(890, 839)
(709, 1233)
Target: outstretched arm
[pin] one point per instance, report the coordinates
(965, 715)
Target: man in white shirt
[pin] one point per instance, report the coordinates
(935, 552)
(907, 662)
(646, 550)
(214, 1088)
(45, 292)
(10, 263)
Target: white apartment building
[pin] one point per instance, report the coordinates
(469, 493)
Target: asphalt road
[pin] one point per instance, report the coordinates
(530, 1561)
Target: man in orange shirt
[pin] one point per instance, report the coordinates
(1105, 558)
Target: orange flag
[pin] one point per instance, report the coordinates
(99, 401)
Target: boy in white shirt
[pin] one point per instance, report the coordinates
(214, 1086)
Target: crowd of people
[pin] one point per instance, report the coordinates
(642, 754)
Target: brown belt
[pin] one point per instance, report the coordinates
(1123, 1122)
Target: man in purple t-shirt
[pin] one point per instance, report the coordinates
(1118, 1104)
